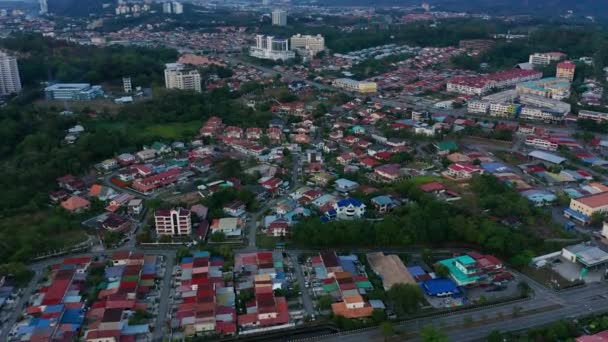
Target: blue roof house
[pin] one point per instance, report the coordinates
(349, 208)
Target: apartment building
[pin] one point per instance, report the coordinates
(482, 85)
(504, 110)
(541, 143)
(565, 69)
(179, 76)
(308, 44)
(549, 115)
(550, 87)
(279, 18)
(478, 107)
(173, 222)
(270, 47)
(355, 86)
(592, 115)
(546, 58)
(10, 82)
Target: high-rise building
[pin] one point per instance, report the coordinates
(178, 7)
(269, 47)
(173, 222)
(167, 8)
(10, 82)
(310, 44)
(426, 6)
(565, 70)
(44, 7)
(126, 84)
(279, 17)
(178, 76)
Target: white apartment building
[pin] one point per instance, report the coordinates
(503, 110)
(310, 45)
(533, 113)
(279, 17)
(269, 47)
(478, 107)
(10, 82)
(592, 115)
(544, 102)
(178, 76)
(173, 222)
(546, 58)
(541, 143)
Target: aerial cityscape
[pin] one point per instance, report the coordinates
(303, 170)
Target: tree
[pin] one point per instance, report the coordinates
(442, 270)
(217, 237)
(165, 239)
(524, 288)
(494, 336)
(325, 302)
(431, 334)
(387, 330)
(405, 298)
(427, 256)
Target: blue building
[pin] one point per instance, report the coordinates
(73, 92)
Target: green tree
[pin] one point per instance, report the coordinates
(442, 270)
(431, 334)
(405, 298)
(325, 302)
(387, 329)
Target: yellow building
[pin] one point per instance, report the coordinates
(583, 208)
(566, 70)
(356, 86)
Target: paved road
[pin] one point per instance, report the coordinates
(162, 317)
(306, 299)
(20, 305)
(570, 304)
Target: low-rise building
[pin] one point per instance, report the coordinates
(583, 208)
(355, 86)
(546, 58)
(462, 171)
(592, 115)
(73, 92)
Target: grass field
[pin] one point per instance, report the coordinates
(173, 131)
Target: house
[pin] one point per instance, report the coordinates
(76, 204)
(109, 164)
(103, 193)
(70, 183)
(349, 208)
(388, 172)
(235, 209)
(146, 154)
(200, 211)
(383, 203)
(135, 206)
(229, 226)
(160, 148)
(345, 185)
(462, 171)
(445, 147)
(126, 159)
(116, 223)
(432, 187)
(278, 228)
(322, 178)
(352, 307)
(253, 133)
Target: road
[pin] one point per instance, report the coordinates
(549, 307)
(306, 299)
(161, 318)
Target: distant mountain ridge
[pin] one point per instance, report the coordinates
(75, 8)
(498, 7)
